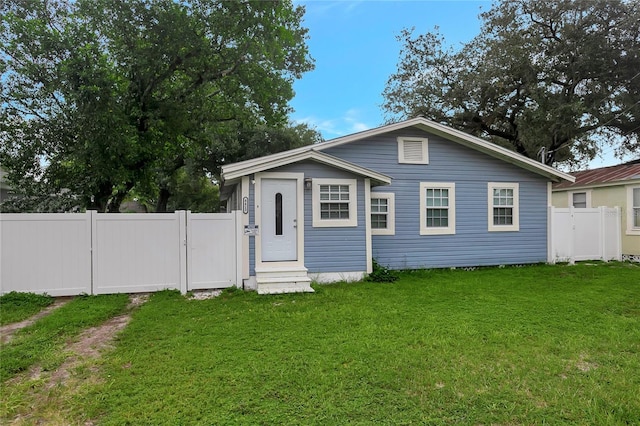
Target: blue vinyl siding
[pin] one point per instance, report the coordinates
(340, 249)
(470, 170)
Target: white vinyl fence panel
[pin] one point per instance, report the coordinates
(45, 253)
(95, 253)
(584, 234)
(135, 253)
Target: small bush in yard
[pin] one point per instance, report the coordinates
(16, 306)
(382, 274)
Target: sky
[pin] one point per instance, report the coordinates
(355, 48)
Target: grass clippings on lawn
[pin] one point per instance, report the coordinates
(532, 345)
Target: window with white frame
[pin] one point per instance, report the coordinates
(504, 206)
(413, 150)
(580, 199)
(633, 209)
(437, 208)
(334, 202)
(383, 213)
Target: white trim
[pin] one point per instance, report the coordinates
(353, 203)
(515, 226)
(257, 194)
(631, 230)
(391, 213)
(550, 214)
(332, 277)
(587, 193)
(451, 209)
(236, 170)
(367, 221)
(244, 222)
(250, 283)
(424, 150)
(239, 248)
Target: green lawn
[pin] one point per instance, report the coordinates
(532, 345)
(42, 342)
(15, 307)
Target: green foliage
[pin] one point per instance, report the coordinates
(102, 98)
(16, 306)
(42, 341)
(195, 193)
(561, 75)
(382, 274)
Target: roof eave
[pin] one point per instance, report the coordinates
(293, 157)
(459, 137)
(446, 132)
(496, 151)
(597, 185)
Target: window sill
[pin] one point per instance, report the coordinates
(336, 223)
(437, 231)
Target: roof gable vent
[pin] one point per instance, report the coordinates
(413, 151)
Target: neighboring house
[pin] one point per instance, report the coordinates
(415, 194)
(608, 186)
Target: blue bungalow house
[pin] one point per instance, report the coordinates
(414, 194)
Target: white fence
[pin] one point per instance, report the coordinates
(94, 253)
(584, 234)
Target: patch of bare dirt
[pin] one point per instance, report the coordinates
(204, 294)
(91, 342)
(82, 351)
(7, 331)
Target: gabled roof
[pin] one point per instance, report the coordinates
(604, 176)
(232, 171)
(237, 170)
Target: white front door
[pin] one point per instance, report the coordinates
(278, 220)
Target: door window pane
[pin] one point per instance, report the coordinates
(278, 214)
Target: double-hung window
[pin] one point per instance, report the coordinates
(437, 208)
(504, 206)
(382, 213)
(633, 209)
(580, 199)
(334, 202)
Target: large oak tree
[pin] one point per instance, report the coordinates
(100, 98)
(555, 80)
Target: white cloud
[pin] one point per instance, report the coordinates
(329, 7)
(350, 122)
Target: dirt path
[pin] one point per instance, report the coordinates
(91, 342)
(7, 331)
(51, 389)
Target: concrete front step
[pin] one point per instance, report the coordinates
(282, 290)
(286, 279)
(286, 272)
(277, 285)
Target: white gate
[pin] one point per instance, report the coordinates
(584, 234)
(135, 253)
(214, 250)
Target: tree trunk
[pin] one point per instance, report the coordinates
(114, 203)
(163, 200)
